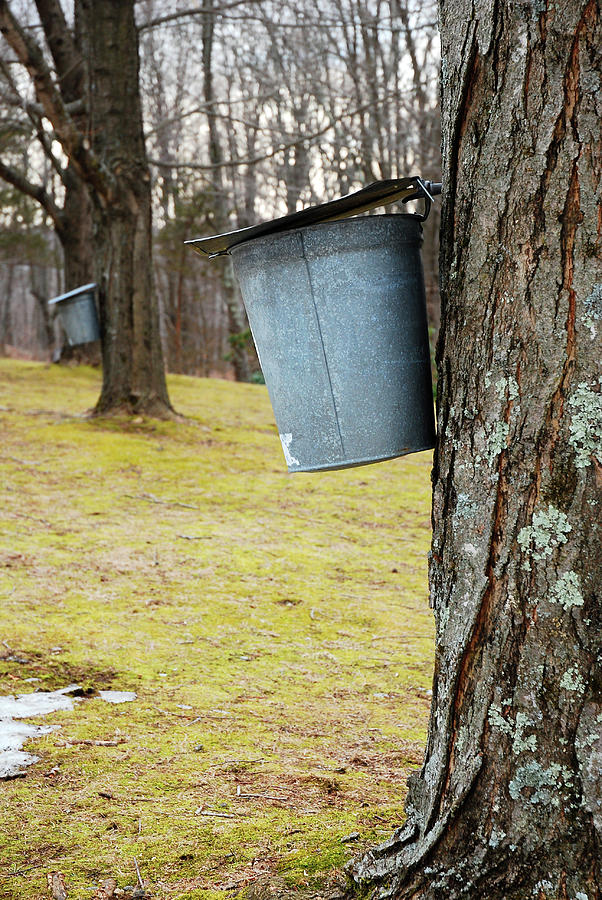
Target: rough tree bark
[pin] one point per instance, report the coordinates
(508, 804)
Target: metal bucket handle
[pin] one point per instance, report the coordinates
(428, 190)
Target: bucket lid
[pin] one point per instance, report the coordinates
(84, 289)
(380, 193)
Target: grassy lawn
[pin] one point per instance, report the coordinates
(274, 628)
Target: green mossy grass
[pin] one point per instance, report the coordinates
(275, 629)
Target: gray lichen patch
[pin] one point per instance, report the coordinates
(548, 530)
(496, 436)
(543, 785)
(441, 618)
(572, 680)
(507, 388)
(585, 428)
(497, 720)
(544, 888)
(567, 591)
(464, 513)
(496, 837)
(520, 743)
(466, 507)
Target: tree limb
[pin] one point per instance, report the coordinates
(73, 108)
(46, 144)
(323, 23)
(35, 191)
(66, 56)
(35, 113)
(30, 55)
(194, 11)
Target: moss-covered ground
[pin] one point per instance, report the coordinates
(275, 629)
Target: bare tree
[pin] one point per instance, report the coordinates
(110, 159)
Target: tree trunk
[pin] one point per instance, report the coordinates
(237, 324)
(133, 373)
(508, 803)
(75, 235)
(6, 331)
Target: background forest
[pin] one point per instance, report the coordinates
(252, 108)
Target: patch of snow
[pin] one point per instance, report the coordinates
(118, 696)
(13, 734)
(38, 704)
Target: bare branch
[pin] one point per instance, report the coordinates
(46, 143)
(299, 141)
(323, 24)
(66, 56)
(35, 114)
(194, 11)
(202, 109)
(74, 108)
(30, 55)
(35, 191)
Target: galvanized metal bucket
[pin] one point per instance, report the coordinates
(78, 316)
(338, 313)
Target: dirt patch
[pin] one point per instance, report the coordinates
(48, 672)
(271, 887)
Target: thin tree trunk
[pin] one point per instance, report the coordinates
(6, 331)
(236, 314)
(508, 804)
(38, 276)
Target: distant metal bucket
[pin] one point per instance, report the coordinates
(338, 315)
(77, 312)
